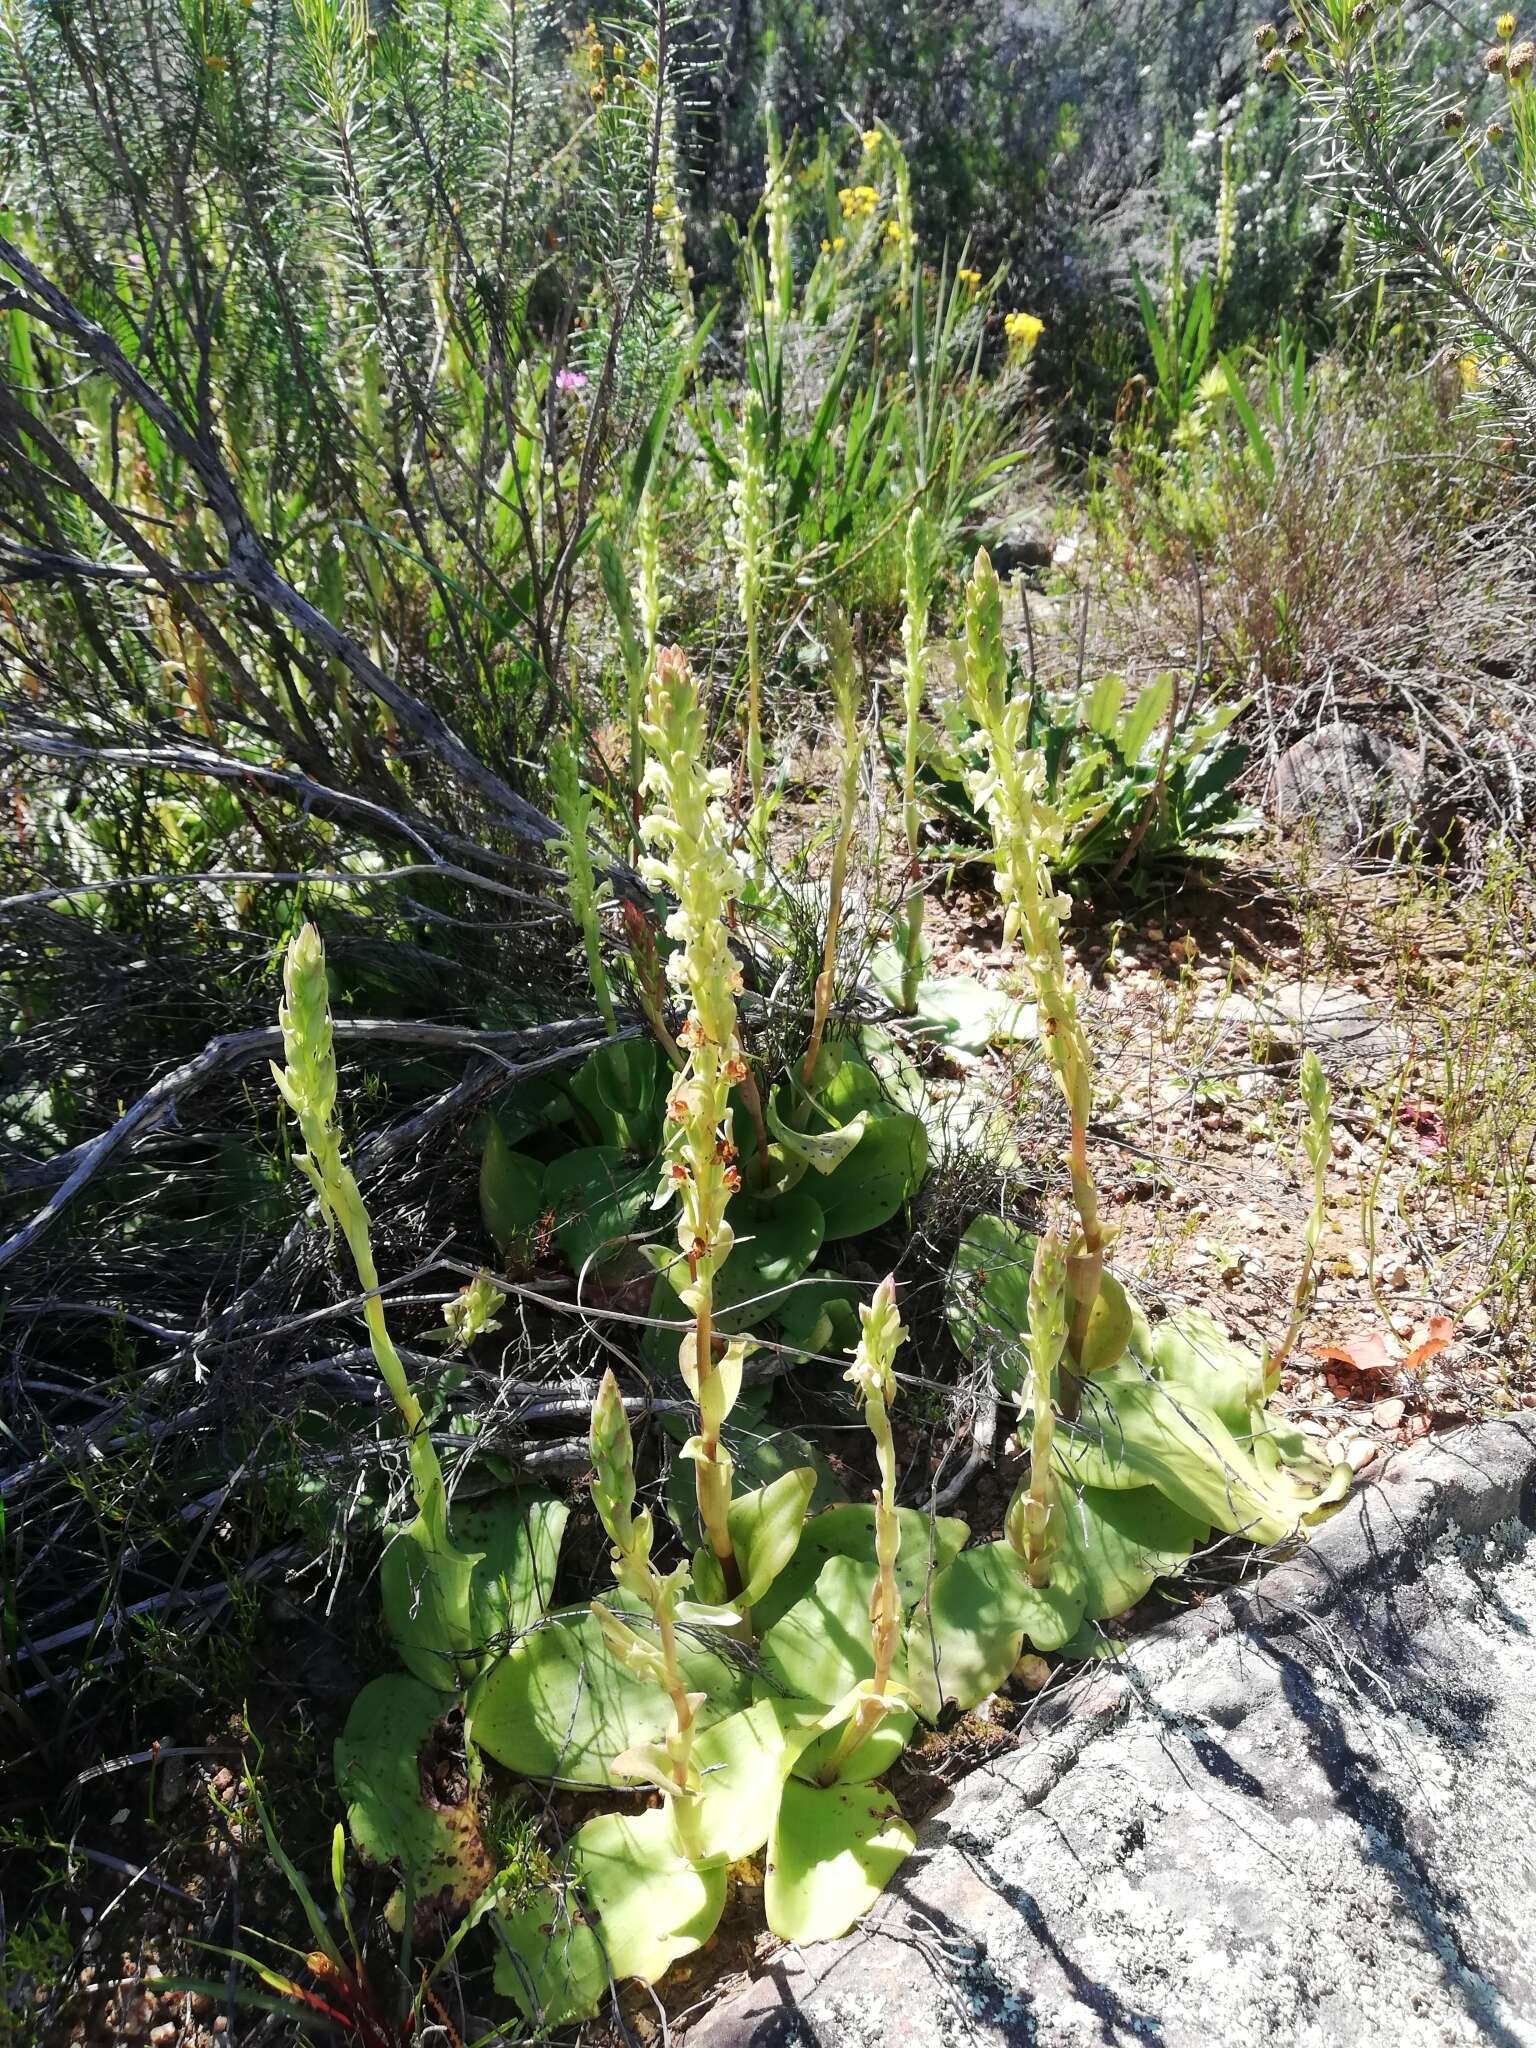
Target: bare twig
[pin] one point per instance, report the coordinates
(239, 1049)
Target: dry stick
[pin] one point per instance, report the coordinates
(248, 567)
(238, 1049)
(319, 797)
(353, 878)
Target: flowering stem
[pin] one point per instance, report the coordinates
(1317, 1140)
(1026, 832)
(749, 491)
(1033, 1522)
(843, 680)
(873, 1375)
(914, 633)
(307, 1083)
(699, 1164)
(630, 1534)
(573, 807)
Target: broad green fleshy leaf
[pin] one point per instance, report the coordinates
(883, 1171)
(1135, 1431)
(821, 1314)
(820, 1149)
(833, 1851)
(820, 1650)
(967, 1016)
(986, 1300)
(1193, 1352)
(425, 1589)
(619, 1086)
(1125, 1539)
(775, 1243)
(967, 1121)
(598, 1196)
(511, 1191)
(872, 1759)
(516, 1538)
(849, 1531)
(955, 1011)
(845, 1083)
(761, 1453)
(557, 1705)
(966, 1639)
(765, 1529)
(743, 1762)
(632, 1907)
(398, 1808)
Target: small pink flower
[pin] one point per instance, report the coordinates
(570, 380)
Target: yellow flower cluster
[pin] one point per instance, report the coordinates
(871, 140)
(830, 248)
(858, 201)
(971, 279)
(1023, 331)
(893, 233)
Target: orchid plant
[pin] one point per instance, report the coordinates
(760, 1667)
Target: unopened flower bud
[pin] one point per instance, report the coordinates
(1453, 121)
(1274, 63)
(1521, 58)
(1266, 35)
(1296, 34)
(1495, 131)
(1496, 58)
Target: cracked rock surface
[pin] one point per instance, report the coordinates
(1306, 1814)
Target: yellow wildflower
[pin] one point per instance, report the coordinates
(858, 201)
(971, 279)
(1023, 331)
(893, 233)
(1504, 26)
(871, 140)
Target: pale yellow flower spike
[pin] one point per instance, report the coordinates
(667, 1765)
(873, 1376)
(690, 840)
(1026, 836)
(1033, 1524)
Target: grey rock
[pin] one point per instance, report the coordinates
(1354, 788)
(1302, 1814)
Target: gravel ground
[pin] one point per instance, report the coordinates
(1306, 1816)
